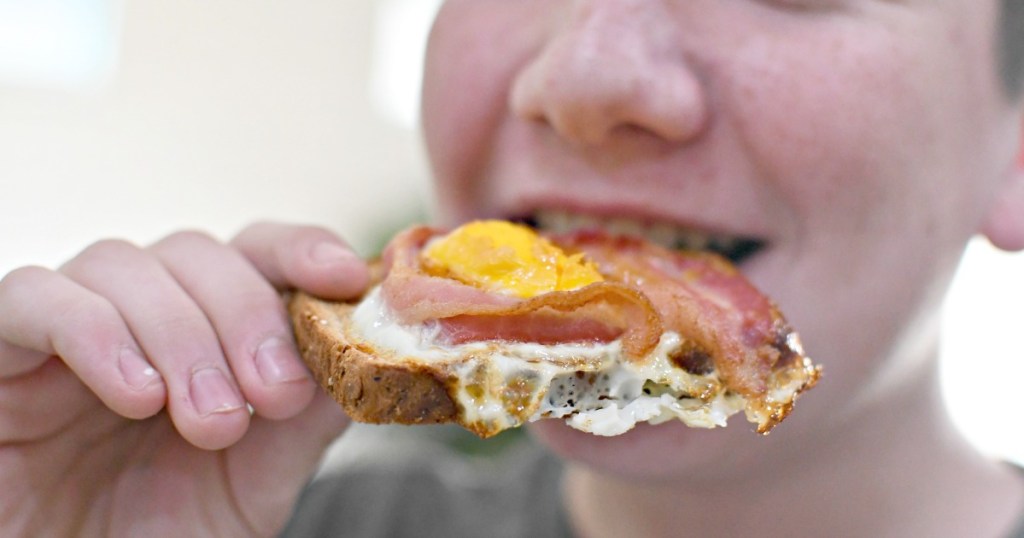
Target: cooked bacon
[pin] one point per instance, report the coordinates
(540, 327)
(416, 296)
(602, 311)
(703, 298)
(648, 289)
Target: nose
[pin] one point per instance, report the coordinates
(613, 64)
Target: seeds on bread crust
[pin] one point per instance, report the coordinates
(370, 389)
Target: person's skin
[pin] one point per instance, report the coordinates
(201, 313)
(864, 140)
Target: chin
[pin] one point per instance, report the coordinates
(664, 452)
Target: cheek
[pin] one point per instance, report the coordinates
(457, 109)
(825, 138)
(883, 191)
(466, 84)
(855, 130)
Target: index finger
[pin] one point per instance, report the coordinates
(43, 313)
(304, 257)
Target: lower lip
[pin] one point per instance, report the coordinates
(649, 452)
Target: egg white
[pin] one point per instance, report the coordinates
(592, 385)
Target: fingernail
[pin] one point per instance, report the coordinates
(212, 393)
(277, 362)
(330, 253)
(135, 370)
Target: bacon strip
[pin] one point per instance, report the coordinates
(602, 311)
(723, 318)
(706, 300)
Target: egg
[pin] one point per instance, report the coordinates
(508, 258)
(500, 385)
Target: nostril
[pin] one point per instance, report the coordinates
(587, 128)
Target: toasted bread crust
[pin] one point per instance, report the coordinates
(369, 388)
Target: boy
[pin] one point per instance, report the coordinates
(861, 142)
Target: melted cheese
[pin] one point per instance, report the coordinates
(499, 385)
(507, 258)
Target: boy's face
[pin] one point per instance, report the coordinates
(862, 141)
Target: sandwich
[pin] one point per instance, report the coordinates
(494, 324)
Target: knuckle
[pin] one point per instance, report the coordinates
(304, 243)
(294, 235)
(186, 239)
(105, 251)
(255, 300)
(180, 324)
(260, 225)
(313, 233)
(176, 340)
(109, 248)
(255, 230)
(88, 307)
(85, 314)
(249, 315)
(23, 278)
(86, 327)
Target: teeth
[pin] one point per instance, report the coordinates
(625, 227)
(584, 222)
(553, 221)
(564, 222)
(691, 240)
(663, 234)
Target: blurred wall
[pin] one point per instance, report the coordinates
(218, 114)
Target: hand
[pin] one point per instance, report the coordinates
(124, 379)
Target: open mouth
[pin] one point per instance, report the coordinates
(735, 248)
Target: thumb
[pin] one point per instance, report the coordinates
(304, 257)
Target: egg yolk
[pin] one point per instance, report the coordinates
(507, 258)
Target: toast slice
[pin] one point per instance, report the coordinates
(382, 372)
(373, 386)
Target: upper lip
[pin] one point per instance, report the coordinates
(721, 222)
(736, 246)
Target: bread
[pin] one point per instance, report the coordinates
(372, 386)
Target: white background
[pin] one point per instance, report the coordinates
(135, 119)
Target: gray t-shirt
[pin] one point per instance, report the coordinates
(402, 486)
(425, 483)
